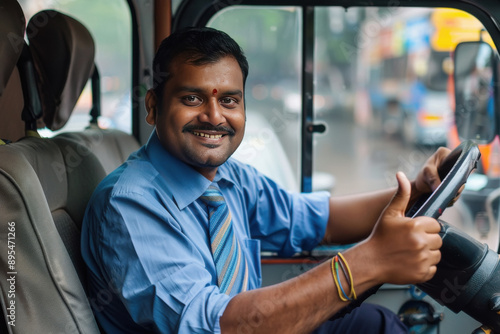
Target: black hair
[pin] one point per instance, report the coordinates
(199, 46)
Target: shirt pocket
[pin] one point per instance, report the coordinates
(254, 267)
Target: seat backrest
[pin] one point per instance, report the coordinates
(112, 147)
(42, 282)
(45, 185)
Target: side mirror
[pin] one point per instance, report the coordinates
(475, 77)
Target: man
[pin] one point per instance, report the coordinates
(150, 235)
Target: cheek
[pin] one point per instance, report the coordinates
(175, 120)
(237, 120)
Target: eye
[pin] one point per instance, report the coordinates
(229, 102)
(191, 100)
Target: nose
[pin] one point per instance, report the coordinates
(212, 113)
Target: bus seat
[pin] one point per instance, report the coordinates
(65, 68)
(45, 185)
(12, 27)
(39, 224)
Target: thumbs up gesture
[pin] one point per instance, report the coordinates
(403, 250)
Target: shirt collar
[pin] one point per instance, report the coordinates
(185, 183)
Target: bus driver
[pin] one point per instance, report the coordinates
(172, 238)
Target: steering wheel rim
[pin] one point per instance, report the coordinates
(453, 171)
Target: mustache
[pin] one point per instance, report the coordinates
(207, 127)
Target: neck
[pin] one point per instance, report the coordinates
(207, 172)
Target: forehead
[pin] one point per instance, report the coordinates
(223, 72)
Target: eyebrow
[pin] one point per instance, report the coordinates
(233, 92)
(192, 89)
(188, 89)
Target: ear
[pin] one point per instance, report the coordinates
(151, 107)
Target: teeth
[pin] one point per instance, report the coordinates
(207, 135)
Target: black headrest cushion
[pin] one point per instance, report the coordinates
(12, 27)
(63, 51)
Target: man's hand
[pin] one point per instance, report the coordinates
(404, 250)
(428, 178)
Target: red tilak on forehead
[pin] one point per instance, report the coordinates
(214, 91)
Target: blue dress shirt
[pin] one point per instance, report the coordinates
(146, 244)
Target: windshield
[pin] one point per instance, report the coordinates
(382, 91)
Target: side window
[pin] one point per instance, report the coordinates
(110, 24)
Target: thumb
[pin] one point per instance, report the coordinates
(399, 202)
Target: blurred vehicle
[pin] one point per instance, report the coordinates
(406, 69)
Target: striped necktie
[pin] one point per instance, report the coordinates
(230, 262)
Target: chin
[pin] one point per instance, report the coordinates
(204, 162)
(213, 163)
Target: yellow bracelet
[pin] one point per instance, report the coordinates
(352, 293)
(336, 279)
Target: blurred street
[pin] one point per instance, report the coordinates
(360, 158)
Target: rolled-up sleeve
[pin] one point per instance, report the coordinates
(298, 222)
(285, 222)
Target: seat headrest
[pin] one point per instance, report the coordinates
(63, 51)
(12, 27)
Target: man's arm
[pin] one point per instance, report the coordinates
(400, 250)
(352, 218)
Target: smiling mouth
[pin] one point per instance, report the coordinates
(206, 135)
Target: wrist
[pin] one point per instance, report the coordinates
(365, 269)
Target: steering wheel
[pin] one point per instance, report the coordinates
(453, 172)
